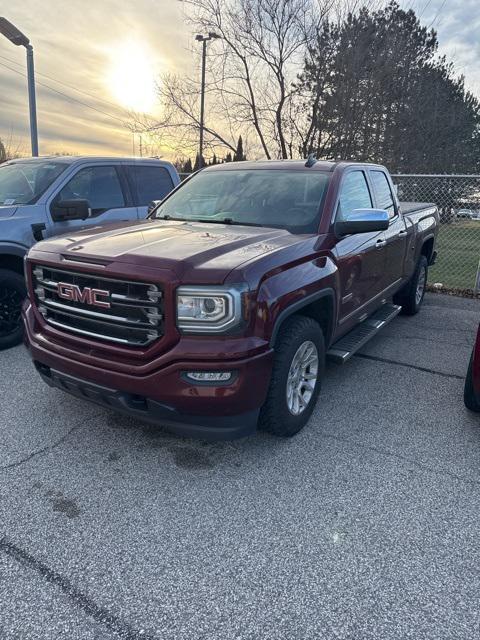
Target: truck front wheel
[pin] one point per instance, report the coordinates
(296, 377)
(12, 295)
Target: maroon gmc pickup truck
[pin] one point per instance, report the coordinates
(214, 316)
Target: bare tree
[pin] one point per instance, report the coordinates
(10, 148)
(251, 74)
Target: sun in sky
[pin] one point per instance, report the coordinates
(131, 76)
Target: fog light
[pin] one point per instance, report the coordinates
(209, 376)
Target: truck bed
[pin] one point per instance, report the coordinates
(413, 207)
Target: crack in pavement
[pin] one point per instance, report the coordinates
(84, 602)
(443, 329)
(448, 343)
(51, 447)
(398, 456)
(409, 366)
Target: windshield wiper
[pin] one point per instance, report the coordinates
(211, 221)
(169, 217)
(228, 221)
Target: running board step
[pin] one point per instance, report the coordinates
(347, 346)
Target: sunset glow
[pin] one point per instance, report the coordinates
(131, 76)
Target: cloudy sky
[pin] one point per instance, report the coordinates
(97, 59)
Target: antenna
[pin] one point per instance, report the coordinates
(311, 160)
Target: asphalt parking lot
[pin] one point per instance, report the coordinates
(365, 525)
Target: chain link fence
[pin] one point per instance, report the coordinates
(458, 200)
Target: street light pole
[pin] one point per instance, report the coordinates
(202, 103)
(15, 36)
(32, 101)
(203, 40)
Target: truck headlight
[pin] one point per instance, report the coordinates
(208, 309)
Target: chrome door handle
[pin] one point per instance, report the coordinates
(401, 233)
(380, 243)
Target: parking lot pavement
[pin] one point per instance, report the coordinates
(363, 526)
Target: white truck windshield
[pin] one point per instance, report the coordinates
(24, 182)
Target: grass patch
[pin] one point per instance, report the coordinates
(458, 247)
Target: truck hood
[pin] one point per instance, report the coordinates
(194, 251)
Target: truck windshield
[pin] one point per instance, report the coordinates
(290, 200)
(24, 182)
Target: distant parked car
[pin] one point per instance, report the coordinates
(472, 383)
(467, 214)
(48, 196)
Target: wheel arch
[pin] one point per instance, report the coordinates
(320, 306)
(11, 257)
(427, 248)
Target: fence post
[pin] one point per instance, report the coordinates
(477, 282)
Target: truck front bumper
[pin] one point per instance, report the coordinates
(165, 396)
(204, 427)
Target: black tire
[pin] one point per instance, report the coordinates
(469, 396)
(407, 297)
(275, 415)
(12, 295)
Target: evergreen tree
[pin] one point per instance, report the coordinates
(3, 152)
(377, 91)
(239, 156)
(196, 166)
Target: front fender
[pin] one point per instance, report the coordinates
(287, 292)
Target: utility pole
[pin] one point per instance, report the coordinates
(32, 100)
(19, 39)
(203, 39)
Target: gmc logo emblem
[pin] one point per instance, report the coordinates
(87, 295)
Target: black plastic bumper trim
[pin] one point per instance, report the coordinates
(202, 427)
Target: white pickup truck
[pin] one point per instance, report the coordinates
(49, 196)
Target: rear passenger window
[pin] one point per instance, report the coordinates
(383, 192)
(354, 193)
(150, 183)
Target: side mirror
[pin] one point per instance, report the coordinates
(71, 210)
(152, 206)
(362, 221)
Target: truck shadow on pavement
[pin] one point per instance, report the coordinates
(185, 453)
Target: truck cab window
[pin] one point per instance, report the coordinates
(150, 183)
(354, 193)
(99, 185)
(383, 192)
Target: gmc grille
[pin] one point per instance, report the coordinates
(132, 316)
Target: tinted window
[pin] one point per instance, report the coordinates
(354, 193)
(151, 183)
(24, 182)
(264, 197)
(383, 192)
(99, 185)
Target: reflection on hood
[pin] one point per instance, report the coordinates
(7, 211)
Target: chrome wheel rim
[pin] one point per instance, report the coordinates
(420, 286)
(302, 377)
